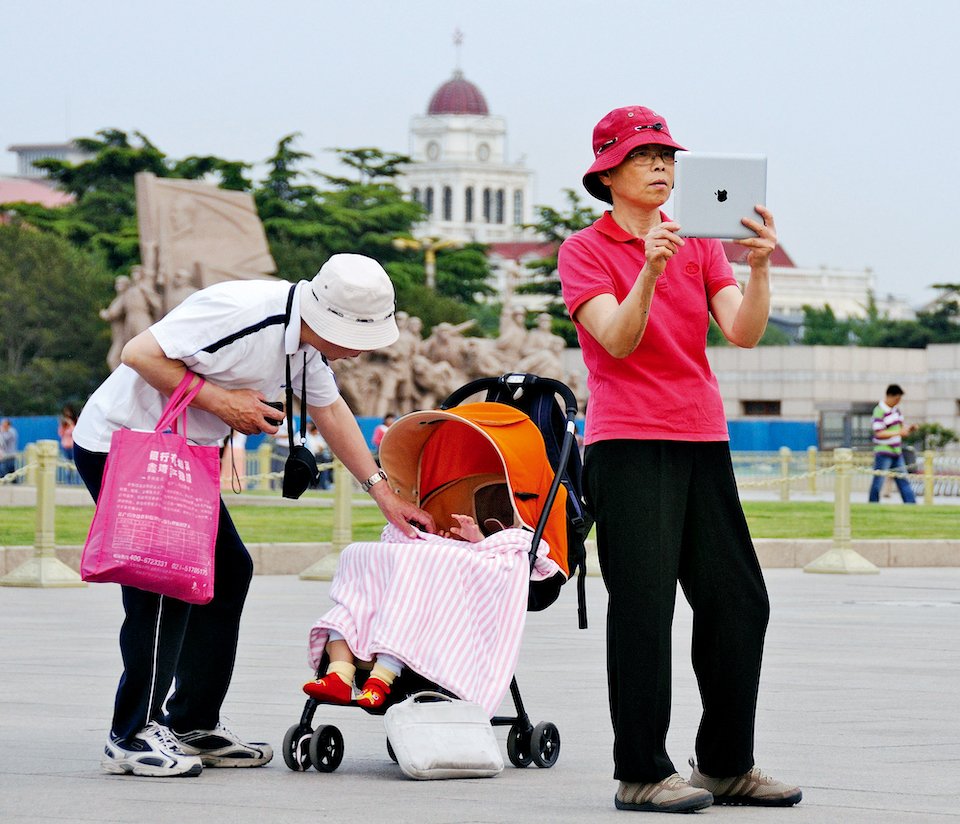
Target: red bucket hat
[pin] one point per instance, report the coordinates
(616, 135)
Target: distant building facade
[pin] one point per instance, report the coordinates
(472, 192)
(28, 153)
(461, 174)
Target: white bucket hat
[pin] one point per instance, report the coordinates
(351, 302)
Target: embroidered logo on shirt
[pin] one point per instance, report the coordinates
(692, 268)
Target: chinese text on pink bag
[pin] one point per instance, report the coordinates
(155, 527)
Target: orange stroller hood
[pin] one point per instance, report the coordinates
(457, 460)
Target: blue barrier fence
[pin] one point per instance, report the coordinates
(745, 436)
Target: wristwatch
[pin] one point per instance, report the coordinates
(378, 476)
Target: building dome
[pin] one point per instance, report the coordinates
(458, 96)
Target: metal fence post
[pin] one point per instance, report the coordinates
(785, 473)
(342, 534)
(841, 558)
(30, 462)
(928, 477)
(264, 460)
(44, 569)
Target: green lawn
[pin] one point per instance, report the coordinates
(264, 524)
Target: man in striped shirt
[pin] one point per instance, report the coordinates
(888, 432)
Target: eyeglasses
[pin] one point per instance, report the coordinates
(646, 155)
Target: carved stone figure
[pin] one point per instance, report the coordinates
(513, 333)
(542, 352)
(418, 374)
(141, 303)
(116, 314)
(406, 347)
(181, 286)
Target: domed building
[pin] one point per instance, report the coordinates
(461, 174)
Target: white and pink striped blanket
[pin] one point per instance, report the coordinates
(450, 610)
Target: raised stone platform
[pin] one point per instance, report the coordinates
(292, 559)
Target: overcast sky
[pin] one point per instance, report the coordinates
(853, 101)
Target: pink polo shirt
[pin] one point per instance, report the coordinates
(663, 390)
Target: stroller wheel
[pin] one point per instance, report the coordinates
(391, 753)
(545, 744)
(326, 748)
(518, 746)
(296, 744)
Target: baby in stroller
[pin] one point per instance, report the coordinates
(449, 607)
(336, 685)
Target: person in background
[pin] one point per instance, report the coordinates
(242, 337)
(315, 443)
(381, 429)
(68, 420)
(8, 447)
(888, 432)
(658, 475)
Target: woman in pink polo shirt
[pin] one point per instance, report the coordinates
(658, 475)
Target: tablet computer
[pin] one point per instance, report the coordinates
(713, 192)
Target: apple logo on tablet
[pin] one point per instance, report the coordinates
(721, 195)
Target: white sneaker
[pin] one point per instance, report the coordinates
(221, 747)
(153, 751)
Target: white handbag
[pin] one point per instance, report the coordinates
(435, 736)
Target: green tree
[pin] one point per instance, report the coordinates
(300, 239)
(53, 345)
(555, 226)
(419, 301)
(103, 218)
(366, 214)
(931, 436)
(821, 327)
(942, 323)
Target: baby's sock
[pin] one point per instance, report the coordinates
(383, 673)
(344, 670)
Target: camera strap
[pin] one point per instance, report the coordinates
(303, 403)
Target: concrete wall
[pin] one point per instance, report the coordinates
(810, 379)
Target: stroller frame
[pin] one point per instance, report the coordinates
(323, 748)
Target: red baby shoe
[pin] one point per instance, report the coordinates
(374, 693)
(331, 689)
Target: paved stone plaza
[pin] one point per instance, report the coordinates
(859, 705)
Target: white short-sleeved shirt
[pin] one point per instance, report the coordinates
(237, 335)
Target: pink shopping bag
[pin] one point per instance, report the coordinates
(155, 526)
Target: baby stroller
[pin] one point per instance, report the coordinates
(512, 458)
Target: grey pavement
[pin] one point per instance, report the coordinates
(859, 705)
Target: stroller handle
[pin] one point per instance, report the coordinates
(514, 383)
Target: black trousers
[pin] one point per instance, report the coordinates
(164, 641)
(669, 511)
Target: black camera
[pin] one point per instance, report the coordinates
(278, 405)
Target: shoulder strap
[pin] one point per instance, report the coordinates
(303, 401)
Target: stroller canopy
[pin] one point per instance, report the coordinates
(486, 460)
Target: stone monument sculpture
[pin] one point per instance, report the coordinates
(418, 374)
(192, 235)
(542, 352)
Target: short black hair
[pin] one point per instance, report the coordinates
(894, 389)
